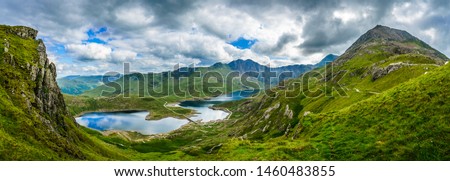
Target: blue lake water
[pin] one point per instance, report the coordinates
(135, 120)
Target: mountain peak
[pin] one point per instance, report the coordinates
(327, 59)
(245, 65)
(383, 33)
(243, 61)
(330, 56)
(387, 33)
(393, 40)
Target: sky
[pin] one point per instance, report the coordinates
(93, 37)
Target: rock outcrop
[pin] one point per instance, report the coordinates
(49, 98)
(31, 100)
(23, 32)
(381, 72)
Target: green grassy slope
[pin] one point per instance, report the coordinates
(408, 122)
(362, 72)
(383, 100)
(26, 131)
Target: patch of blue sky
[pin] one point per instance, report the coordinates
(242, 43)
(94, 40)
(57, 48)
(92, 35)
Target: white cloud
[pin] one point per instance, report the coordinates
(89, 68)
(346, 15)
(409, 12)
(90, 51)
(431, 33)
(76, 35)
(123, 55)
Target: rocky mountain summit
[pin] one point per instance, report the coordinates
(390, 41)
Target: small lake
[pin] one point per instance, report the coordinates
(135, 120)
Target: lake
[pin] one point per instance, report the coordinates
(135, 120)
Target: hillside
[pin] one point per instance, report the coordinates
(407, 122)
(368, 92)
(380, 104)
(34, 122)
(374, 67)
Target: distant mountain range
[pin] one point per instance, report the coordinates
(76, 84)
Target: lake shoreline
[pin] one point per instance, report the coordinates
(203, 110)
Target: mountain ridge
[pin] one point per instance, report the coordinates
(76, 84)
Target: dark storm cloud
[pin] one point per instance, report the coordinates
(258, 6)
(320, 40)
(324, 30)
(34, 13)
(168, 13)
(324, 33)
(82, 12)
(174, 30)
(282, 42)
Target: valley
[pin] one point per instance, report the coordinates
(385, 98)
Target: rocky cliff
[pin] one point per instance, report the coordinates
(34, 122)
(44, 94)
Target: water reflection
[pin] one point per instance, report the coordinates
(129, 121)
(135, 120)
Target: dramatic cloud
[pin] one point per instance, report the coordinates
(92, 38)
(88, 52)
